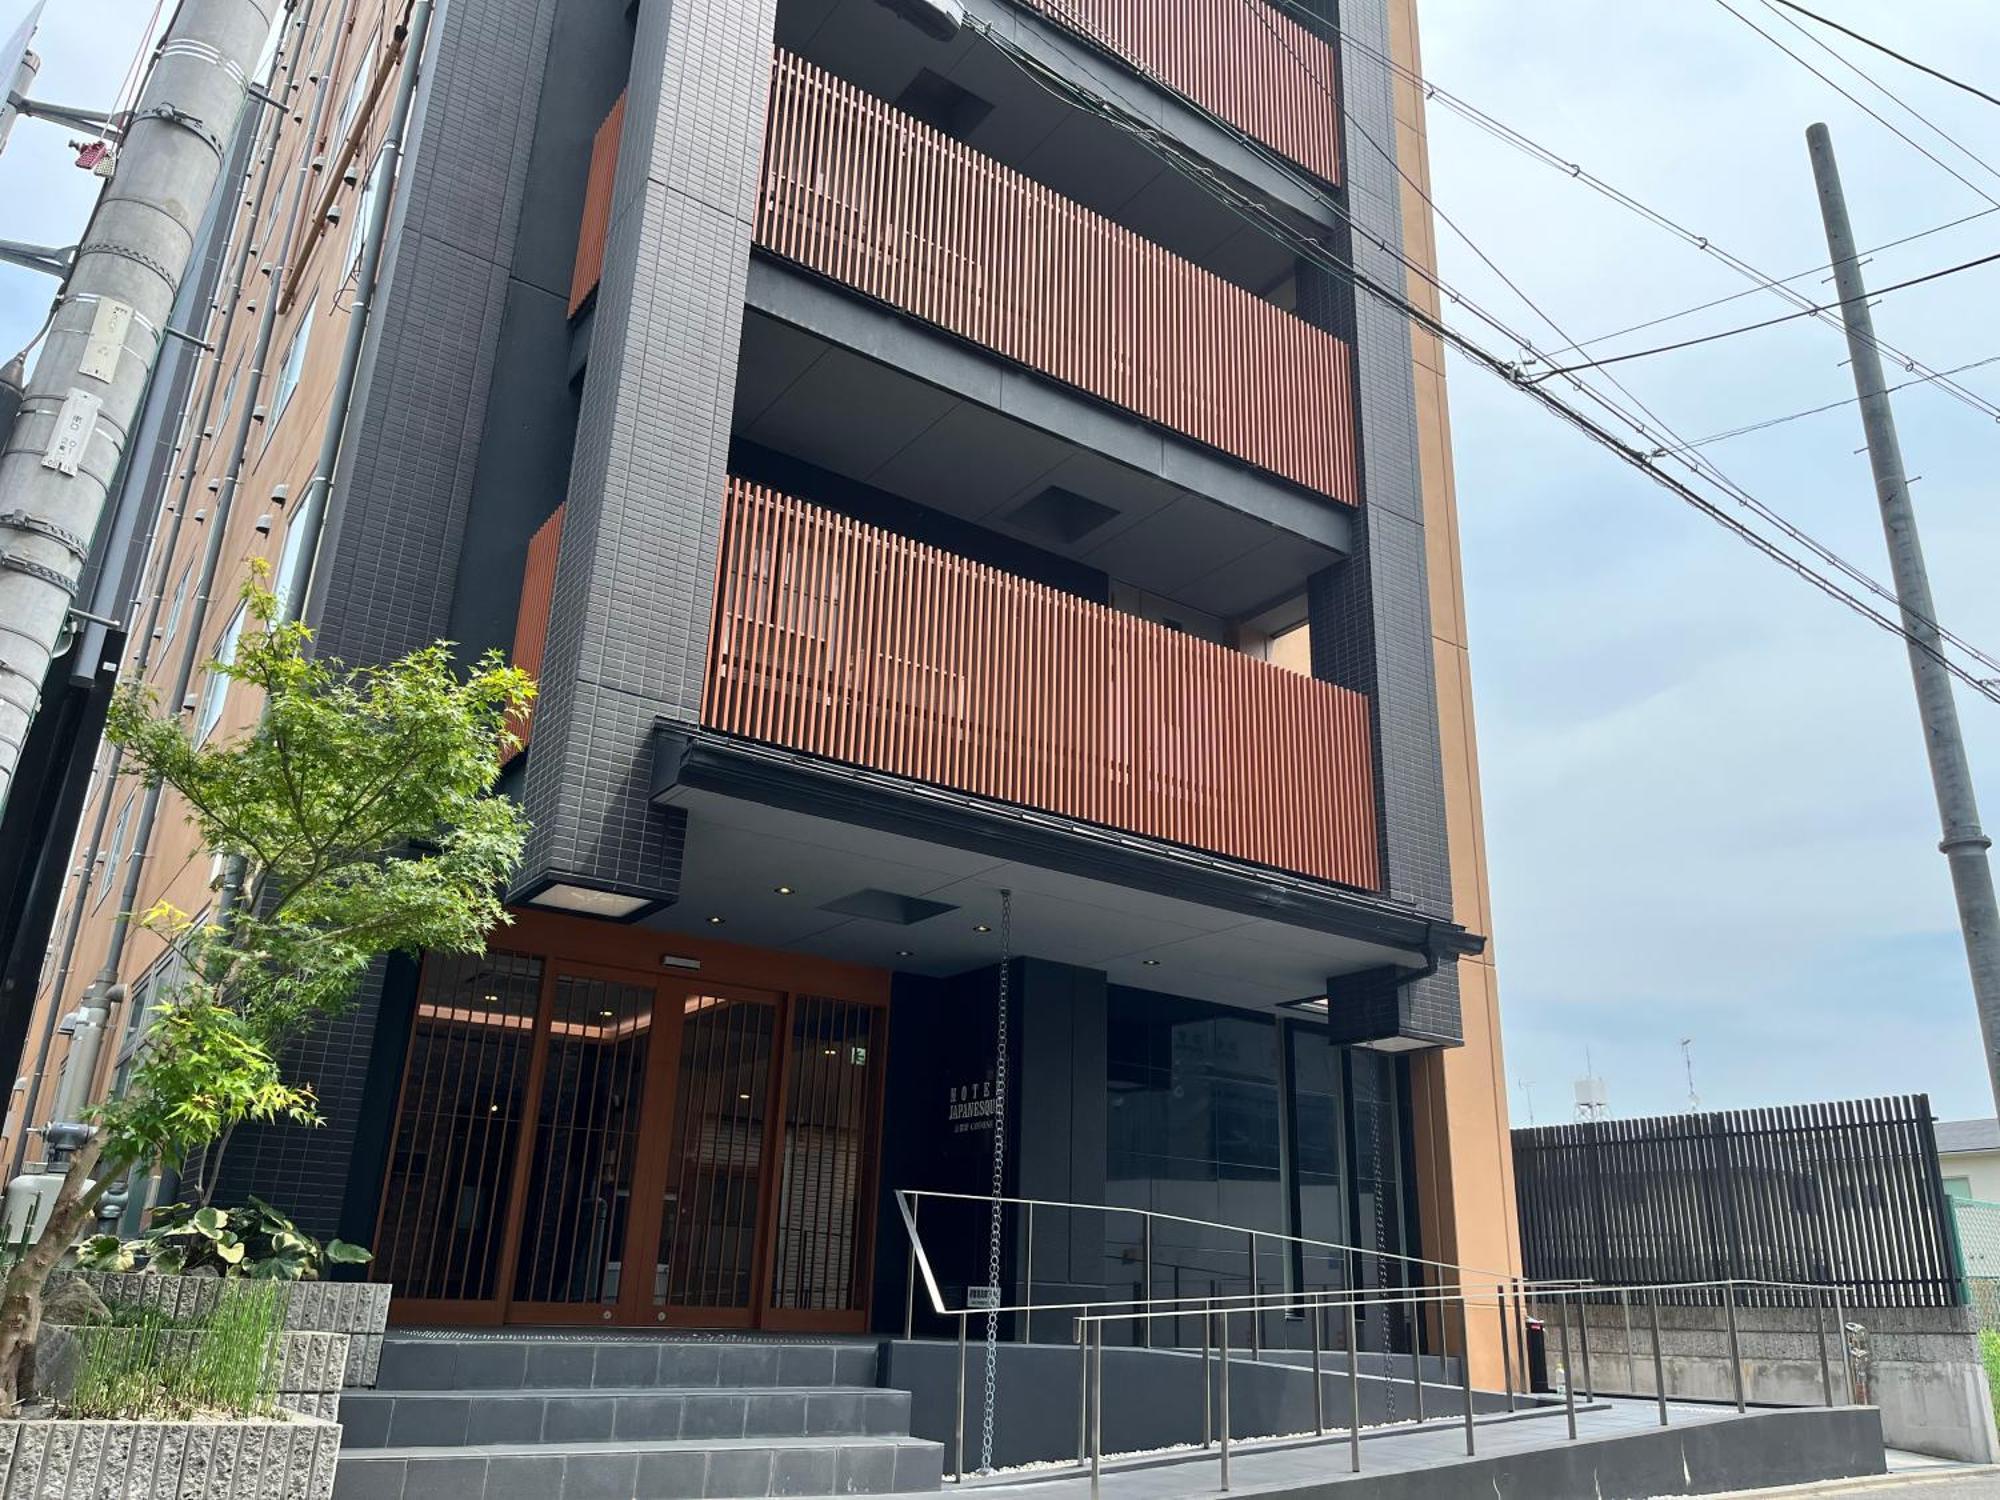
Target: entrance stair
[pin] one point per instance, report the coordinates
(590, 1416)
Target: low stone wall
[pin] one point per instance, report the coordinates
(357, 1309)
(309, 1367)
(255, 1460)
(1925, 1370)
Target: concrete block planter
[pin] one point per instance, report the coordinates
(243, 1460)
(357, 1309)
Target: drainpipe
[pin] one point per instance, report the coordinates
(256, 173)
(312, 511)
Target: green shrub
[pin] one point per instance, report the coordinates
(147, 1364)
(1989, 1351)
(255, 1241)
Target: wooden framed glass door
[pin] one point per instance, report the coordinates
(589, 1100)
(586, 1145)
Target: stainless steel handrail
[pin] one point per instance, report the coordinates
(1090, 1345)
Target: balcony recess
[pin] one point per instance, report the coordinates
(869, 197)
(848, 642)
(1244, 61)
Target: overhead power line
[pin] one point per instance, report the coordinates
(1888, 125)
(1907, 61)
(1751, 291)
(1664, 441)
(1790, 317)
(1535, 150)
(1308, 246)
(1883, 89)
(1812, 411)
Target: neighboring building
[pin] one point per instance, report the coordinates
(1969, 1155)
(906, 487)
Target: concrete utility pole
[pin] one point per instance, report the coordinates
(64, 449)
(1964, 843)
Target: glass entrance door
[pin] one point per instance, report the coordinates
(590, 1098)
(584, 1146)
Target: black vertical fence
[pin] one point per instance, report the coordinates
(1842, 1194)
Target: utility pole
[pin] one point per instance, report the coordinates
(1964, 843)
(59, 459)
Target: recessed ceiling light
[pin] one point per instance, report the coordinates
(782, 890)
(606, 1014)
(982, 927)
(906, 953)
(743, 1096)
(717, 921)
(1151, 963)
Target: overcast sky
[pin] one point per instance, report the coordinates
(1707, 804)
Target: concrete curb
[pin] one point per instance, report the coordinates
(1867, 1483)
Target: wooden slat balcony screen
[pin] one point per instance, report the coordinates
(596, 225)
(1243, 60)
(862, 193)
(846, 641)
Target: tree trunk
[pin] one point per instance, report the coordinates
(21, 1294)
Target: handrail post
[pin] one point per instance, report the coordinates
(1569, 1375)
(1146, 1274)
(1353, 1388)
(1319, 1390)
(1417, 1356)
(1825, 1364)
(1256, 1311)
(1207, 1376)
(1631, 1354)
(1097, 1414)
(1025, 1330)
(958, 1446)
(1465, 1362)
(1846, 1357)
(1583, 1347)
(1222, 1344)
(1506, 1341)
(910, 1274)
(1659, 1359)
(1082, 1392)
(1735, 1345)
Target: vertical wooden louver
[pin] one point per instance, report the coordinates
(1243, 60)
(531, 621)
(868, 196)
(596, 225)
(850, 642)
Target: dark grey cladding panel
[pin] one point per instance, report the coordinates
(628, 629)
(1371, 622)
(384, 584)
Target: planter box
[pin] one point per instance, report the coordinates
(358, 1309)
(247, 1460)
(310, 1367)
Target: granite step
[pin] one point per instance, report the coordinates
(637, 1362)
(380, 1419)
(682, 1469)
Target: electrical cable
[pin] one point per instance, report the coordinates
(1885, 91)
(1310, 248)
(1886, 124)
(1751, 291)
(1910, 62)
(1676, 447)
(1762, 280)
(1790, 317)
(1813, 411)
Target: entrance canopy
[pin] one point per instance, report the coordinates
(789, 851)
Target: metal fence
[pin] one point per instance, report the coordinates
(1821, 1194)
(1978, 1227)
